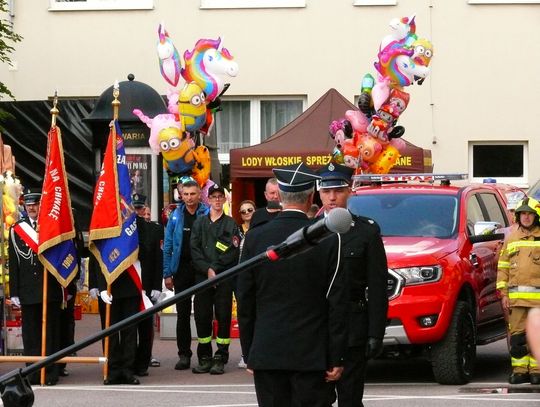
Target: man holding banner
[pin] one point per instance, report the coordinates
(26, 287)
(115, 245)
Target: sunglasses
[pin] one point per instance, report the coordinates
(248, 210)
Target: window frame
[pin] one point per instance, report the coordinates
(518, 181)
(237, 4)
(360, 3)
(255, 116)
(93, 5)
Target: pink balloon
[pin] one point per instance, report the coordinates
(358, 120)
(398, 143)
(380, 93)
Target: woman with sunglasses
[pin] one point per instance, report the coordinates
(247, 208)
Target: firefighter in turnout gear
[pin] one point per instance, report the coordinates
(518, 284)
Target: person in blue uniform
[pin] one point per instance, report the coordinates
(293, 312)
(364, 262)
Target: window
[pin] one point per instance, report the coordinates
(374, 2)
(505, 161)
(494, 210)
(276, 114)
(504, 1)
(210, 4)
(246, 122)
(78, 5)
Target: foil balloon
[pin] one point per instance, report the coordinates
(381, 123)
(358, 120)
(386, 160)
(400, 29)
(169, 58)
(206, 64)
(203, 165)
(156, 125)
(340, 130)
(369, 149)
(192, 107)
(177, 150)
(351, 155)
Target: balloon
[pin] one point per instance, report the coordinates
(382, 122)
(206, 64)
(177, 150)
(368, 81)
(401, 28)
(399, 99)
(201, 169)
(380, 92)
(337, 156)
(358, 120)
(423, 51)
(340, 130)
(192, 107)
(386, 160)
(350, 154)
(369, 148)
(156, 125)
(169, 59)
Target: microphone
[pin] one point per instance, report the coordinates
(338, 220)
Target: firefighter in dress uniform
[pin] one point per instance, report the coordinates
(364, 261)
(26, 287)
(518, 285)
(293, 312)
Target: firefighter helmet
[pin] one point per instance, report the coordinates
(528, 205)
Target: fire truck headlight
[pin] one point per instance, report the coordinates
(420, 275)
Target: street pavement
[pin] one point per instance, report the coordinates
(390, 383)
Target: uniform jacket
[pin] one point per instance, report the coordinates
(150, 254)
(26, 273)
(518, 273)
(214, 245)
(286, 321)
(122, 287)
(172, 245)
(364, 261)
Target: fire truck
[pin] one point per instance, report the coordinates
(442, 243)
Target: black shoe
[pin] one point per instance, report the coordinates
(63, 372)
(183, 364)
(205, 364)
(218, 367)
(51, 382)
(519, 378)
(141, 373)
(109, 382)
(131, 380)
(535, 378)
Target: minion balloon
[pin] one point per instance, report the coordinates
(177, 150)
(192, 107)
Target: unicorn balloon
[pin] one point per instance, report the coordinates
(206, 64)
(169, 58)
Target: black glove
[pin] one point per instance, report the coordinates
(374, 347)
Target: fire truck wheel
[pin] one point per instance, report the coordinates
(452, 359)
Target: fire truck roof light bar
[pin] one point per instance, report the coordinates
(426, 177)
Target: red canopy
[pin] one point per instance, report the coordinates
(306, 139)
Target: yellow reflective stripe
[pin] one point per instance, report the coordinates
(515, 246)
(523, 362)
(524, 296)
(532, 362)
(503, 264)
(208, 339)
(223, 341)
(501, 284)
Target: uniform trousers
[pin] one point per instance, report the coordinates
(517, 321)
(145, 342)
(67, 327)
(350, 387)
(216, 300)
(183, 279)
(123, 344)
(287, 388)
(31, 334)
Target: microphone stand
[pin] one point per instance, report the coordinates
(15, 389)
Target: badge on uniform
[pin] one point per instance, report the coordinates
(222, 247)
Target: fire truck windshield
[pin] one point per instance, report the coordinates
(412, 214)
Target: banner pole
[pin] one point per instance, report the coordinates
(106, 340)
(44, 323)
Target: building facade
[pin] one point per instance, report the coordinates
(475, 111)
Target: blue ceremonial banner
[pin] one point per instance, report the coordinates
(56, 248)
(113, 228)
